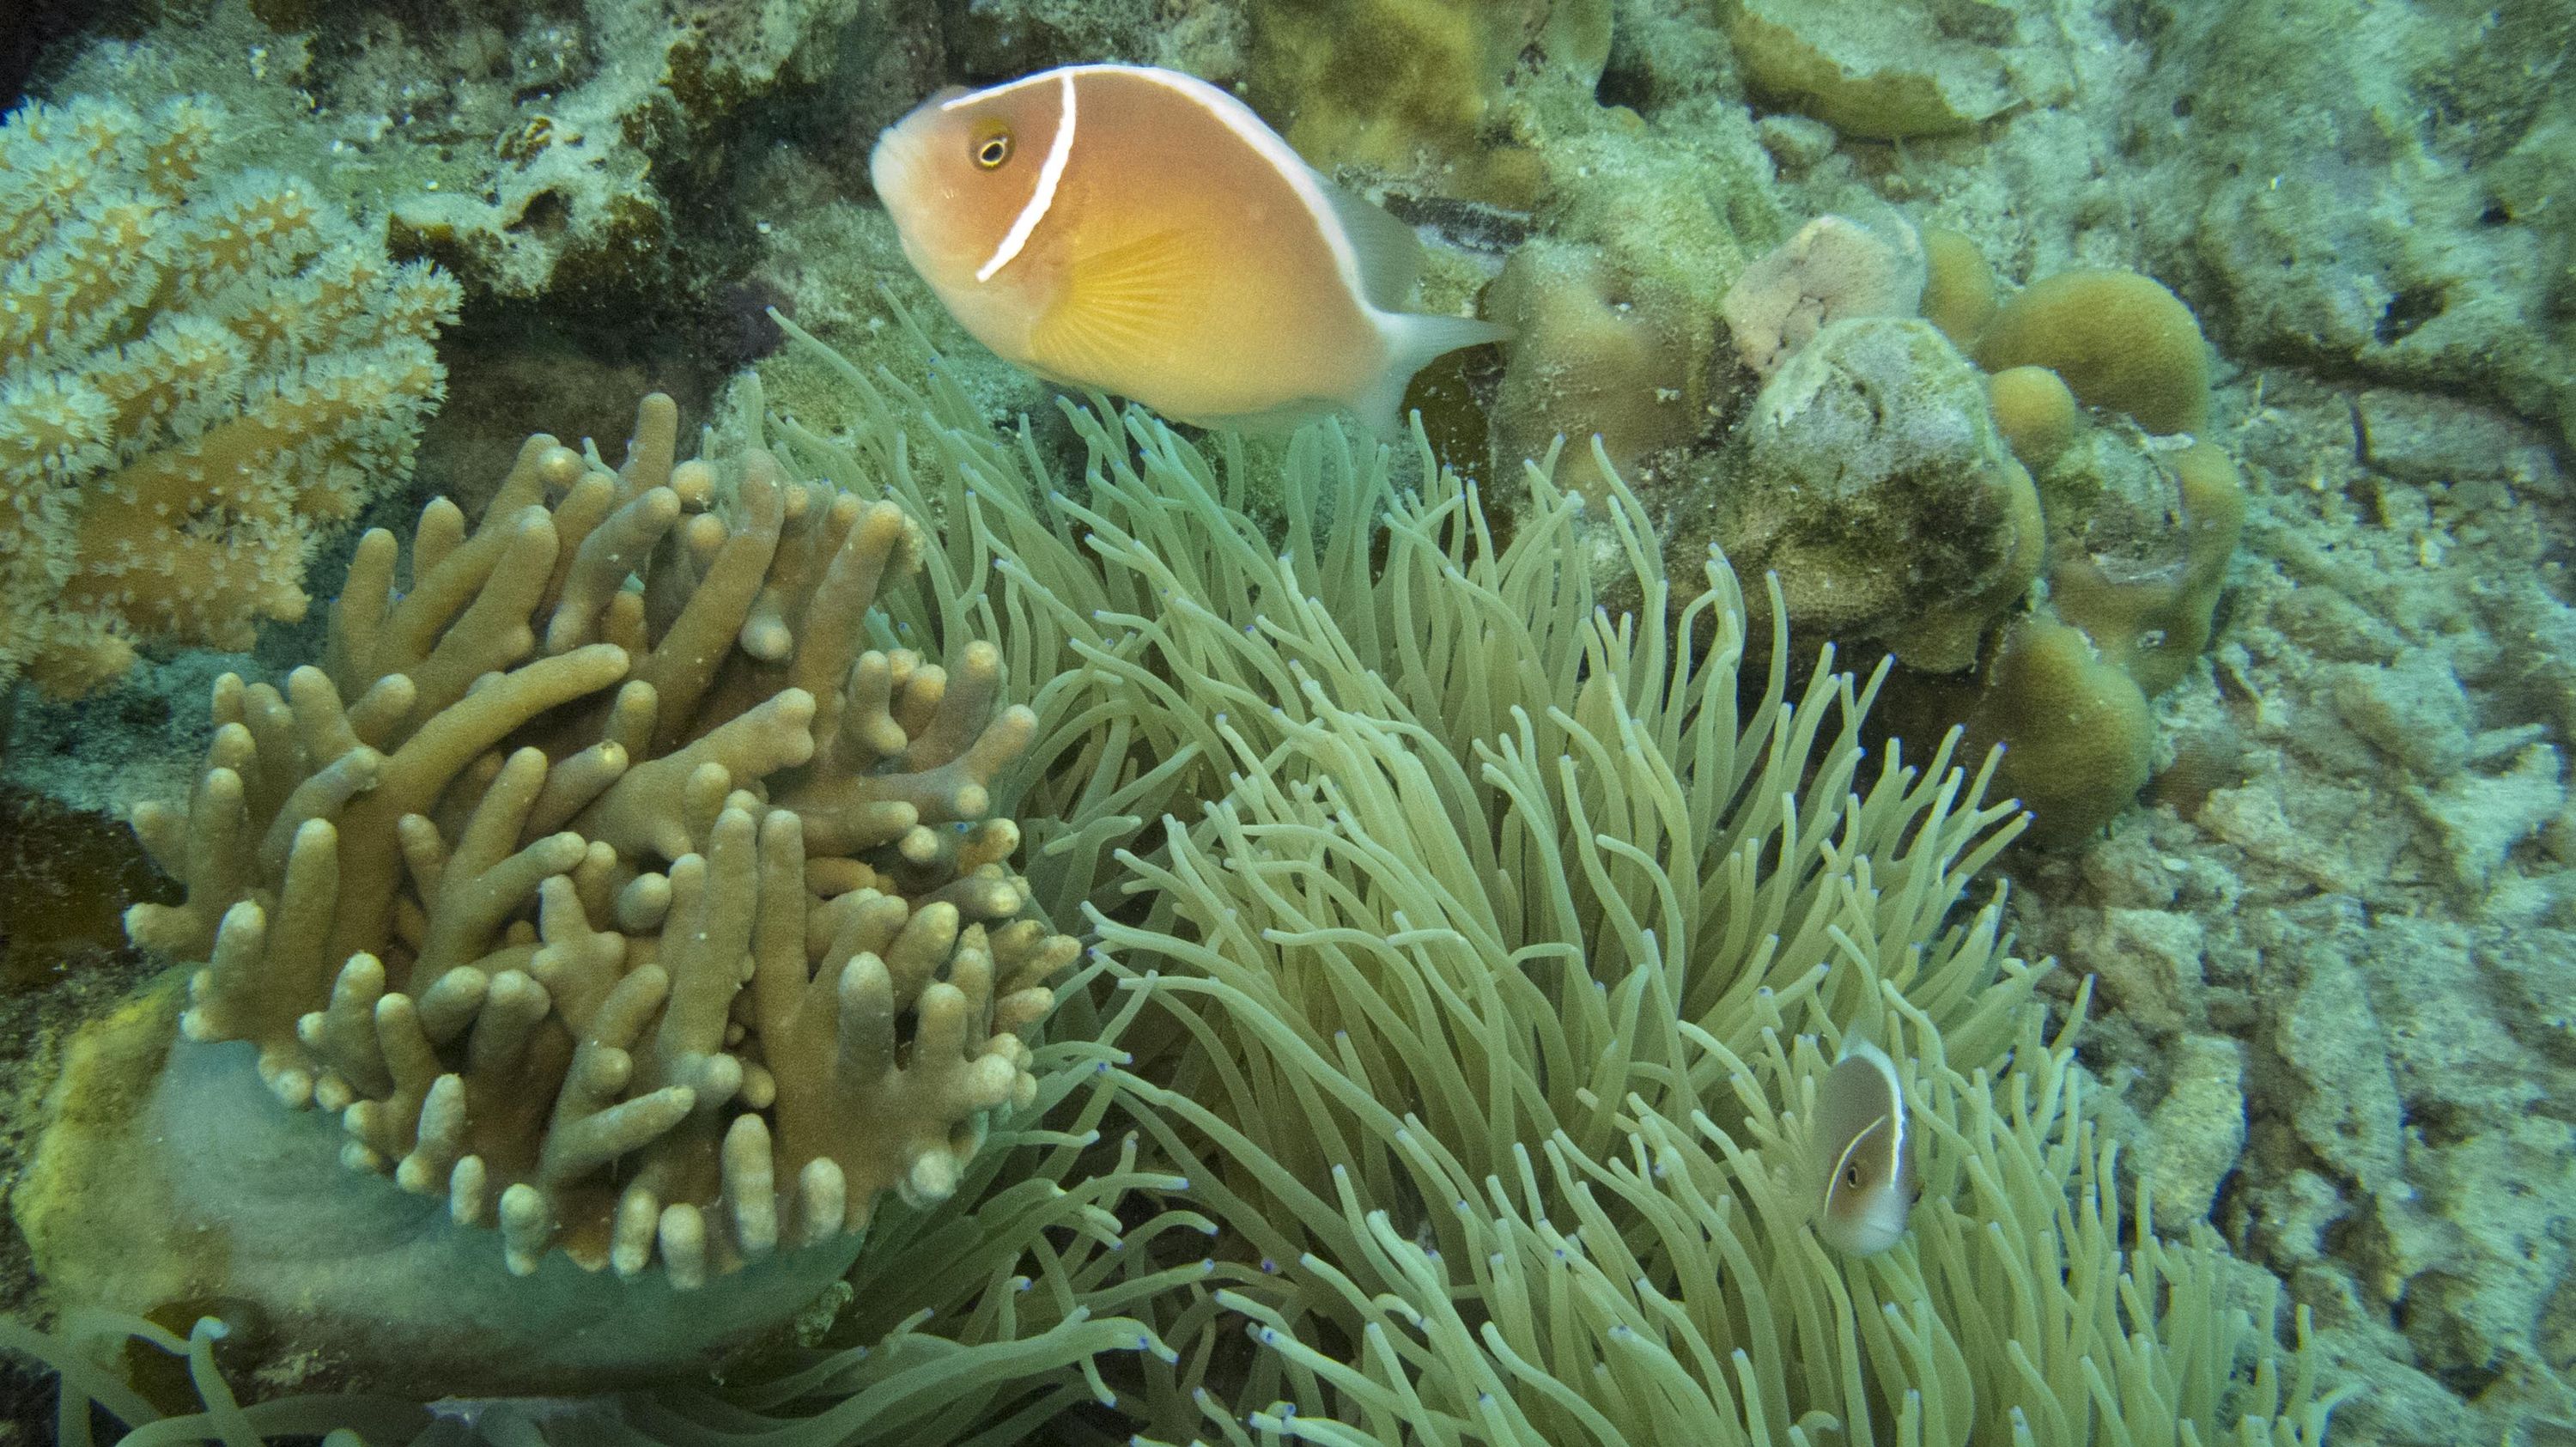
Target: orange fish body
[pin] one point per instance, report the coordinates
(1142, 232)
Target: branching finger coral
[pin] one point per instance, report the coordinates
(196, 375)
(679, 937)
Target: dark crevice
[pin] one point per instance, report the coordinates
(2409, 310)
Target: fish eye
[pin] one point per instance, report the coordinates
(1851, 1175)
(993, 150)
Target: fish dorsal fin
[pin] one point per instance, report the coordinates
(1122, 307)
(1390, 255)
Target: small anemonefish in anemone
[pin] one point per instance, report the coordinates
(1141, 231)
(1863, 1137)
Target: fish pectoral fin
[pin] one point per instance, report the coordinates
(1125, 308)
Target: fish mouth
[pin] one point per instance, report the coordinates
(893, 163)
(905, 176)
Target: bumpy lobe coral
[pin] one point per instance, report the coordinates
(2141, 529)
(2034, 411)
(657, 922)
(1921, 508)
(2119, 341)
(1958, 286)
(197, 375)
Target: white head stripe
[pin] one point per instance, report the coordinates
(1228, 111)
(1895, 1117)
(1834, 1178)
(1050, 175)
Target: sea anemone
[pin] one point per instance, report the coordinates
(1464, 962)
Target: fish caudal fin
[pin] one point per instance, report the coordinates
(1413, 340)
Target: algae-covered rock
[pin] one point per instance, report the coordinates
(2146, 966)
(1416, 87)
(2197, 1132)
(2482, 819)
(1875, 485)
(2412, 708)
(1001, 38)
(1886, 70)
(2380, 187)
(2416, 437)
(536, 151)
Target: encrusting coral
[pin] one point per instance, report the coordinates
(1831, 269)
(197, 374)
(661, 924)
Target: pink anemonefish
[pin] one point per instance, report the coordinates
(1141, 231)
(1863, 1136)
